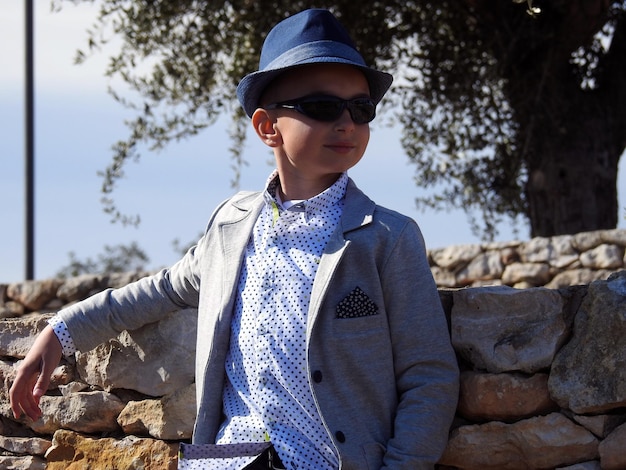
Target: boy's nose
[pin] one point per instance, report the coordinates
(345, 122)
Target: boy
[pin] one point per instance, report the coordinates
(319, 324)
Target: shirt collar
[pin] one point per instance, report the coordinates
(324, 200)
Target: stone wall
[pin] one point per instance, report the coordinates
(554, 262)
(542, 385)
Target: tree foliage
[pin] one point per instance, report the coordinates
(492, 100)
(114, 259)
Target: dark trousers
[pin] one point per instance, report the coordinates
(268, 460)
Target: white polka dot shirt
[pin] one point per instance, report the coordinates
(63, 335)
(268, 395)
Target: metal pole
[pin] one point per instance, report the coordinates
(30, 144)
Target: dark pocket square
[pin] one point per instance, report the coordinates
(356, 304)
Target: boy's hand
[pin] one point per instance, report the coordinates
(33, 375)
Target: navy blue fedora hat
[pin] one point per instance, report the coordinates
(309, 37)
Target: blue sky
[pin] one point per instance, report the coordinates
(174, 190)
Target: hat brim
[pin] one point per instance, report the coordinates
(252, 86)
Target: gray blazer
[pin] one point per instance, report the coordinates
(383, 374)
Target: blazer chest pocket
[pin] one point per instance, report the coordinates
(357, 313)
(355, 305)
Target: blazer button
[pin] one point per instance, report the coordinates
(340, 437)
(317, 376)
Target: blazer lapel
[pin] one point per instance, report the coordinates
(358, 211)
(234, 235)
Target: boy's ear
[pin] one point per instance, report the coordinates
(264, 127)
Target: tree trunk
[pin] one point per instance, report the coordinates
(572, 184)
(570, 138)
(572, 153)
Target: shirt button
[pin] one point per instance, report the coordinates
(340, 437)
(317, 376)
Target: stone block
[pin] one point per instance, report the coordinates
(503, 397)
(73, 451)
(542, 442)
(501, 329)
(155, 360)
(587, 374)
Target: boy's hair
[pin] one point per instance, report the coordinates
(309, 37)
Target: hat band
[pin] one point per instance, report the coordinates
(326, 50)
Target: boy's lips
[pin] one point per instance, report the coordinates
(341, 147)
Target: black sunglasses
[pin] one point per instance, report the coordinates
(329, 108)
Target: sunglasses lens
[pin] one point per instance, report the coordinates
(362, 110)
(322, 109)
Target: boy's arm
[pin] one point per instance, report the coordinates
(99, 318)
(33, 375)
(96, 319)
(426, 368)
